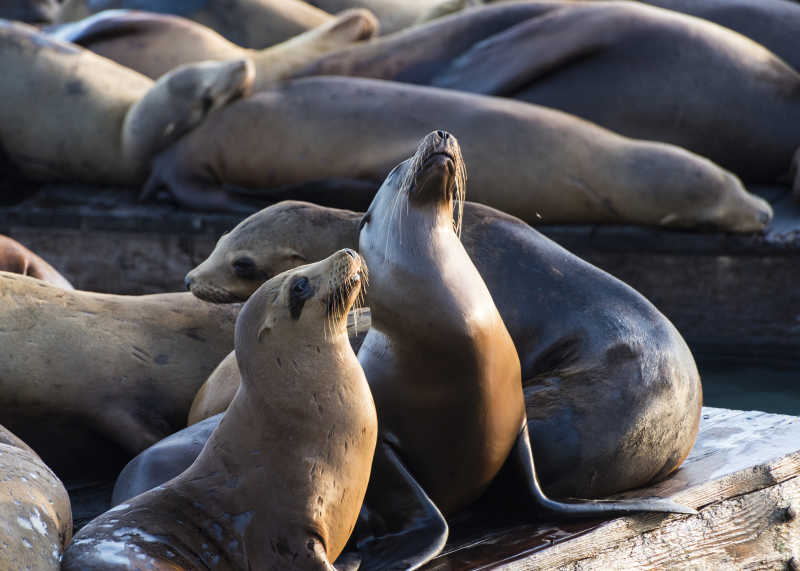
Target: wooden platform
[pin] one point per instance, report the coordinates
(743, 475)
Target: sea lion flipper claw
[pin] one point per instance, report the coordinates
(522, 456)
(413, 530)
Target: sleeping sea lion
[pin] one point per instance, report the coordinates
(124, 368)
(530, 161)
(154, 44)
(253, 24)
(281, 481)
(69, 114)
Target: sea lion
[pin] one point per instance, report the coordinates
(775, 24)
(111, 119)
(30, 11)
(532, 162)
(154, 44)
(281, 481)
(445, 375)
(35, 512)
(609, 49)
(124, 367)
(253, 24)
(582, 336)
(16, 258)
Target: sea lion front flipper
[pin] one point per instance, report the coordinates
(505, 62)
(521, 457)
(407, 528)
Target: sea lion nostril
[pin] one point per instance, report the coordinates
(442, 135)
(350, 253)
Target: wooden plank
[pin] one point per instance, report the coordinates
(737, 454)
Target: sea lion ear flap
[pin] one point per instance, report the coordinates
(266, 327)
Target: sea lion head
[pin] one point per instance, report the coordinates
(179, 101)
(260, 247)
(309, 302)
(428, 185)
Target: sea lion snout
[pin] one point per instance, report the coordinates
(437, 170)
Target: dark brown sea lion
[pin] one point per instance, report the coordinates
(445, 375)
(582, 336)
(154, 44)
(252, 24)
(535, 163)
(111, 119)
(652, 74)
(775, 24)
(35, 513)
(16, 258)
(124, 367)
(281, 481)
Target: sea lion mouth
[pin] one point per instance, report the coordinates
(348, 288)
(214, 294)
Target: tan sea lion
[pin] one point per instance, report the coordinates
(110, 119)
(532, 162)
(581, 336)
(16, 258)
(445, 375)
(251, 24)
(652, 74)
(281, 481)
(125, 368)
(35, 512)
(154, 44)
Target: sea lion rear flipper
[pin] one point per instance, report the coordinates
(505, 62)
(521, 457)
(408, 529)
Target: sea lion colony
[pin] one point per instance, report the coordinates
(254, 127)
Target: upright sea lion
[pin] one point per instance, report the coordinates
(535, 163)
(281, 481)
(581, 335)
(58, 97)
(252, 24)
(31, 11)
(445, 375)
(16, 258)
(124, 367)
(154, 44)
(35, 512)
(653, 74)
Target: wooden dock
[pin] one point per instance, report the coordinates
(743, 476)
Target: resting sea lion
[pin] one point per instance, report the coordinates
(652, 74)
(252, 24)
(581, 335)
(281, 481)
(31, 11)
(125, 367)
(109, 118)
(775, 24)
(445, 375)
(35, 512)
(16, 258)
(153, 44)
(532, 162)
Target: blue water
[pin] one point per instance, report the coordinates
(751, 384)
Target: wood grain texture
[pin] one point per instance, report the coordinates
(742, 474)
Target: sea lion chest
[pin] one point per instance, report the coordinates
(443, 370)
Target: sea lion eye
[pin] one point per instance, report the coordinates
(244, 267)
(300, 286)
